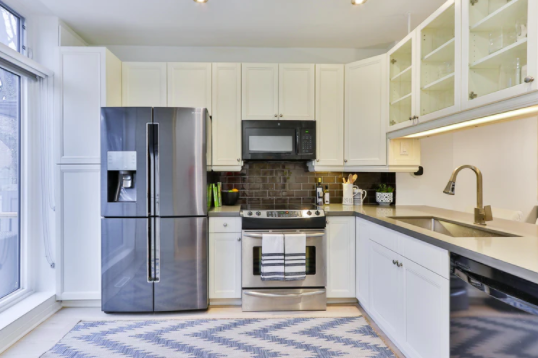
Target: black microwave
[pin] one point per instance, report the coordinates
(279, 140)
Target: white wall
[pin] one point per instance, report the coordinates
(507, 155)
(241, 54)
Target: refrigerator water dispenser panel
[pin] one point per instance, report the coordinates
(121, 167)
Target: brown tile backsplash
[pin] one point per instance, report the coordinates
(268, 183)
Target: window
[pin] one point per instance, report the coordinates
(10, 243)
(11, 28)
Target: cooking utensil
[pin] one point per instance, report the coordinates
(344, 180)
(354, 178)
(350, 178)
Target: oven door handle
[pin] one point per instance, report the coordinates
(286, 295)
(259, 236)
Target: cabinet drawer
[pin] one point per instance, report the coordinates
(384, 237)
(224, 224)
(431, 257)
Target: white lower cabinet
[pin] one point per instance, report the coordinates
(427, 313)
(340, 257)
(79, 250)
(386, 290)
(409, 301)
(224, 258)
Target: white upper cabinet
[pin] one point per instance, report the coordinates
(260, 91)
(341, 257)
(226, 116)
(401, 58)
(189, 85)
(272, 91)
(144, 84)
(90, 79)
(330, 115)
(365, 113)
(500, 58)
(439, 60)
(296, 91)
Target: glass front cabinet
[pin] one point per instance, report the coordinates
(499, 50)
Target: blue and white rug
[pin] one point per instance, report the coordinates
(214, 338)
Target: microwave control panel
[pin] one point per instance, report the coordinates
(307, 141)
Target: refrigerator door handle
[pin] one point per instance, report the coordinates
(157, 252)
(156, 174)
(150, 172)
(149, 252)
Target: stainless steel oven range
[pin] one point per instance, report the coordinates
(305, 295)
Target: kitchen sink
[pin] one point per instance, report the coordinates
(448, 227)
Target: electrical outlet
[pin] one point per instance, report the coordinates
(404, 147)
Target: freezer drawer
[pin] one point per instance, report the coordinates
(183, 265)
(124, 266)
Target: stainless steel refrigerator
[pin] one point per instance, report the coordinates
(154, 241)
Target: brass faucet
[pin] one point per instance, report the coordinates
(481, 213)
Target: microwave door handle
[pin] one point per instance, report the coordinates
(297, 143)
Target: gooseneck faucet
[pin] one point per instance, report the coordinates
(481, 213)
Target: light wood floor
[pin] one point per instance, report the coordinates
(43, 337)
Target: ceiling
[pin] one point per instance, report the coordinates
(251, 23)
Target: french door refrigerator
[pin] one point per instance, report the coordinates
(154, 241)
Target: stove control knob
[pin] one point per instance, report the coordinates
(317, 212)
(258, 213)
(250, 213)
(308, 213)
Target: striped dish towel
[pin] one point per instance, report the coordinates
(295, 257)
(272, 257)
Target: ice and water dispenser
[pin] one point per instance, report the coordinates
(121, 172)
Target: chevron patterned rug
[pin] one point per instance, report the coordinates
(215, 338)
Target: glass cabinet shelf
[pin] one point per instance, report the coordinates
(498, 46)
(442, 84)
(401, 83)
(405, 75)
(401, 99)
(445, 52)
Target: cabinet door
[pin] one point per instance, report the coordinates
(224, 265)
(427, 312)
(439, 60)
(499, 50)
(341, 257)
(144, 84)
(365, 142)
(260, 91)
(386, 301)
(226, 114)
(296, 91)
(361, 263)
(402, 82)
(80, 233)
(189, 85)
(330, 114)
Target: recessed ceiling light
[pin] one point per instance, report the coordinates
(201, 1)
(358, 2)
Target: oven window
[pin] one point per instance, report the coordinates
(310, 260)
(270, 144)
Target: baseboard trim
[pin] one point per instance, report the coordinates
(37, 309)
(342, 301)
(223, 302)
(82, 303)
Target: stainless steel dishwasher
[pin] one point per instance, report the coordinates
(492, 313)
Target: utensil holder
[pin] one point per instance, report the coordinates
(348, 194)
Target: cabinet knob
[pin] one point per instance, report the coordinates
(399, 264)
(529, 79)
(472, 95)
(345, 160)
(281, 115)
(239, 239)
(317, 160)
(276, 115)
(238, 159)
(394, 262)
(225, 225)
(411, 118)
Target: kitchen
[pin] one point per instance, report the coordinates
(280, 112)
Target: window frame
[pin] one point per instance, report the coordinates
(25, 284)
(22, 27)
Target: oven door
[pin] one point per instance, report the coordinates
(316, 267)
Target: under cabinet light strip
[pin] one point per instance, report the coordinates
(477, 122)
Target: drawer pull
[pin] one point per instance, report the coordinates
(225, 224)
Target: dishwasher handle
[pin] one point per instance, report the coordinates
(495, 292)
